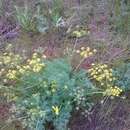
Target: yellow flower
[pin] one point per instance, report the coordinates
(113, 91)
(22, 71)
(32, 62)
(11, 74)
(99, 79)
(17, 57)
(99, 70)
(2, 70)
(77, 34)
(95, 76)
(90, 53)
(34, 55)
(110, 79)
(101, 73)
(102, 84)
(82, 48)
(56, 110)
(7, 59)
(93, 64)
(44, 56)
(105, 66)
(18, 67)
(114, 78)
(78, 51)
(37, 67)
(94, 50)
(106, 71)
(53, 90)
(5, 53)
(83, 53)
(38, 59)
(86, 52)
(88, 49)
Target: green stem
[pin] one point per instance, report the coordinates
(100, 92)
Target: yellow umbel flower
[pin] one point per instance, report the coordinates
(12, 74)
(35, 55)
(56, 110)
(37, 67)
(101, 73)
(86, 52)
(79, 33)
(22, 71)
(113, 91)
(7, 59)
(35, 63)
(15, 66)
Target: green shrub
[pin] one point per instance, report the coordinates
(49, 14)
(43, 17)
(25, 18)
(123, 76)
(48, 91)
(51, 95)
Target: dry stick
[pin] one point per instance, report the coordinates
(103, 104)
(118, 54)
(75, 44)
(79, 64)
(105, 100)
(73, 50)
(108, 110)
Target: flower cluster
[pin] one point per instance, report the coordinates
(86, 52)
(79, 34)
(104, 76)
(12, 74)
(9, 59)
(35, 63)
(79, 96)
(53, 86)
(12, 66)
(101, 73)
(30, 109)
(8, 64)
(113, 91)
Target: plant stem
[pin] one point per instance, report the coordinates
(82, 60)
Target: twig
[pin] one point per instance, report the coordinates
(79, 64)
